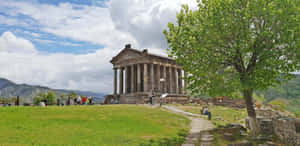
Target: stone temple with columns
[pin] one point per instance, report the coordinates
(140, 74)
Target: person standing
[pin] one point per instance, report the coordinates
(91, 100)
(69, 100)
(57, 101)
(78, 100)
(84, 99)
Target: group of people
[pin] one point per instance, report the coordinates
(77, 101)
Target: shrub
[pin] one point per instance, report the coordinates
(279, 105)
(50, 97)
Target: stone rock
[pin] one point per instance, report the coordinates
(42, 104)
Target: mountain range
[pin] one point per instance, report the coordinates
(27, 92)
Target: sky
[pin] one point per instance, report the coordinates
(67, 44)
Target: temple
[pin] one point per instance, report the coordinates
(139, 74)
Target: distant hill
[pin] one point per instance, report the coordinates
(27, 92)
(287, 90)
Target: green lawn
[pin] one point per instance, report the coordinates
(220, 115)
(87, 125)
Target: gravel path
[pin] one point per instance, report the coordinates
(197, 125)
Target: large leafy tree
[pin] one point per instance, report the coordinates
(227, 46)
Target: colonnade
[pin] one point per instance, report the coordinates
(148, 78)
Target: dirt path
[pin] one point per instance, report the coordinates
(198, 124)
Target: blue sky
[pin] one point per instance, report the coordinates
(68, 44)
(47, 42)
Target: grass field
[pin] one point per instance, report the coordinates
(220, 115)
(87, 125)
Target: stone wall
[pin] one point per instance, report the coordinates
(286, 128)
(225, 101)
(127, 99)
(219, 101)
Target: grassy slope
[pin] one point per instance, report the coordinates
(86, 125)
(220, 115)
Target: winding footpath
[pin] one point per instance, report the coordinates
(198, 124)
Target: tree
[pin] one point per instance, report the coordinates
(237, 45)
(72, 95)
(51, 98)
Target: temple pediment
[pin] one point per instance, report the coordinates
(126, 54)
(129, 54)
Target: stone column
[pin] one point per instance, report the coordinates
(179, 81)
(132, 79)
(152, 83)
(158, 77)
(145, 78)
(185, 83)
(115, 81)
(138, 77)
(175, 81)
(172, 80)
(169, 80)
(164, 75)
(121, 83)
(126, 79)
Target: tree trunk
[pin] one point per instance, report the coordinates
(254, 127)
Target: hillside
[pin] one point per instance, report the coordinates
(288, 90)
(27, 92)
(287, 95)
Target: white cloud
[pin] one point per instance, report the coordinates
(68, 71)
(85, 23)
(11, 44)
(146, 19)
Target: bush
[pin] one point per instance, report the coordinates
(50, 98)
(279, 105)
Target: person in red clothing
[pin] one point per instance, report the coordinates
(84, 100)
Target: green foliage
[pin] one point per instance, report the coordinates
(294, 106)
(111, 125)
(72, 95)
(8, 100)
(279, 105)
(50, 97)
(259, 98)
(287, 90)
(236, 45)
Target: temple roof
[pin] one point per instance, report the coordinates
(128, 53)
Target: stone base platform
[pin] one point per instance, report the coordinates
(144, 98)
